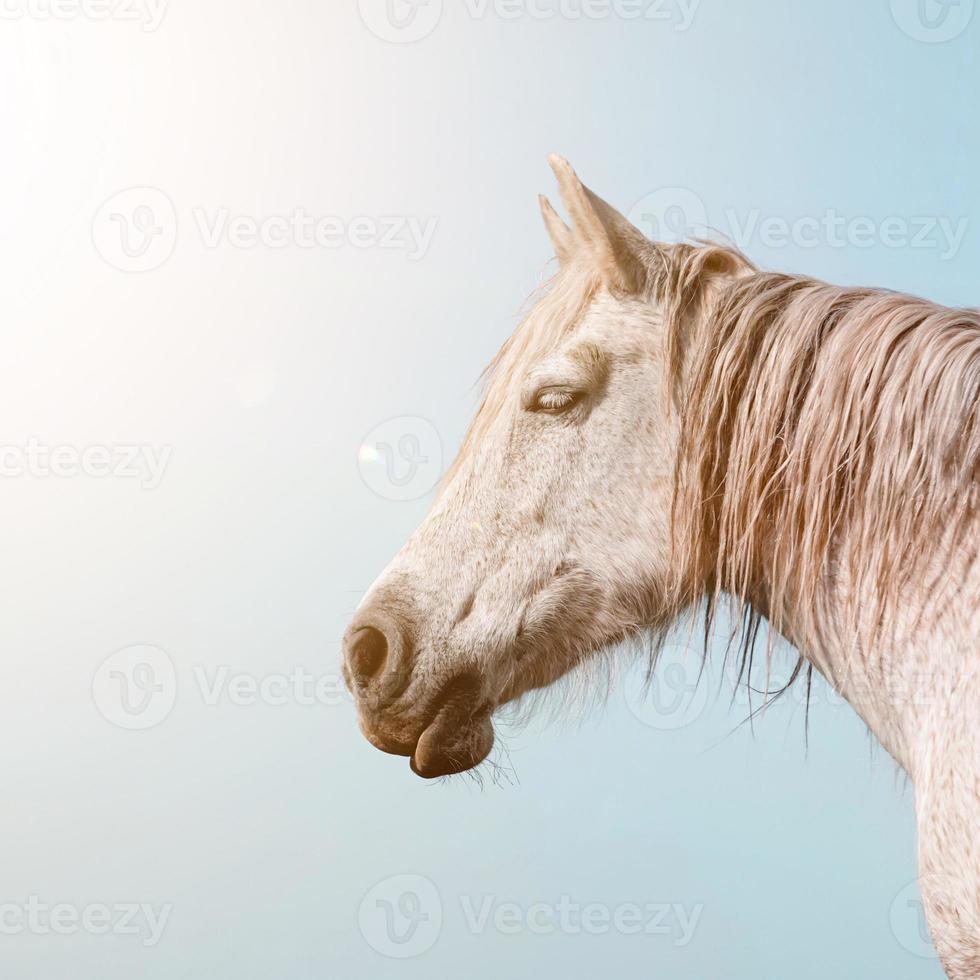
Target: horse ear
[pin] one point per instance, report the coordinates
(621, 250)
(559, 233)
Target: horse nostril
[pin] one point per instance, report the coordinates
(368, 652)
(378, 656)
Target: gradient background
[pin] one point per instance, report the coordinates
(266, 827)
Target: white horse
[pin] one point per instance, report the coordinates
(669, 425)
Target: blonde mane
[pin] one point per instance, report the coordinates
(812, 414)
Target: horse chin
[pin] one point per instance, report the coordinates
(451, 744)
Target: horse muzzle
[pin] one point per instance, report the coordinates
(446, 731)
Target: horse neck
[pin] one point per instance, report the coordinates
(904, 673)
(826, 524)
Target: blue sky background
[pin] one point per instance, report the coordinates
(276, 837)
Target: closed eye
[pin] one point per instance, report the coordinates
(555, 399)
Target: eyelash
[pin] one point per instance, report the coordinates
(555, 400)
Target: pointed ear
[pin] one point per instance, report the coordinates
(620, 249)
(559, 233)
